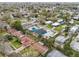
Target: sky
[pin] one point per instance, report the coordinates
(39, 0)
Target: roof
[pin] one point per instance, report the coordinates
(48, 22)
(75, 46)
(56, 53)
(74, 28)
(40, 48)
(39, 31)
(75, 43)
(76, 17)
(33, 27)
(60, 39)
(56, 24)
(15, 33)
(60, 20)
(25, 41)
(49, 33)
(3, 24)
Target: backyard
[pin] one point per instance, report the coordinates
(29, 51)
(15, 42)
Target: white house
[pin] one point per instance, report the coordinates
(48, 22)
(60, 20)
(74, 28)
(49, 34)
(76, 17)
(56, 24)
(75, 44)
(55, 53)
(60, 39)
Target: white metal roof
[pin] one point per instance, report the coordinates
(56, 24)
(74, 28)
(56, 53)
(48, 22)
(49, 33)
(75, 46)
(60, 20)
(61, 39)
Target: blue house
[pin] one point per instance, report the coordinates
(39, 31)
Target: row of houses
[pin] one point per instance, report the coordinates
(26, 41)
(61, 39)
(59, 22)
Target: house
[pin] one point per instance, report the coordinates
(61, 21)
(75, 44)
(60, 39)
(76, 17)
(7, 48)
(26, 41)
(3, 24)
(32, 28)
(40, 48)
(56, 24)
(24, 25)
(49, 34)
(74, 29)
(15, 33)
(39, 31)
(55, 53)
(33, 19)
(48, 22)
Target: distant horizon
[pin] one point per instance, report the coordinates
(39, 0)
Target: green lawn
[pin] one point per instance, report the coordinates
(29, 51)
(15, 42)
(59, 28)
(49, 26)
(76, 22)
(2, 33)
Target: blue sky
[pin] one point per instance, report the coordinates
(39, 0)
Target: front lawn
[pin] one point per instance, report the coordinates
(59, 28)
